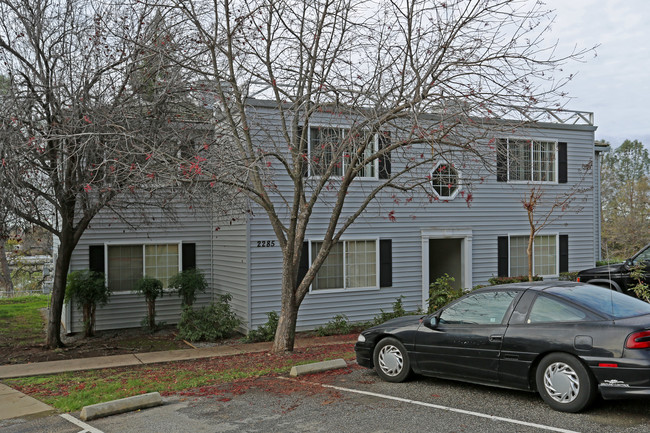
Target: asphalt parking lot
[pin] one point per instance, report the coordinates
(353, 400)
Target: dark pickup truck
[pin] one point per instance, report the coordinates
(617, 276)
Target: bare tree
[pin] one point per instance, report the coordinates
(408, 83)
(543, 206)
(78, 133)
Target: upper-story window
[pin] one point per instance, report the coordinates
(530, 160)
(445, 180)
(336, 147)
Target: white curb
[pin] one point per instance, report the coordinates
(120, 406)
(317, 367)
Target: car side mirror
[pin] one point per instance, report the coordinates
(629, 263)
(431, 322)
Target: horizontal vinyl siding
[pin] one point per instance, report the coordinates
(126, 309)
(230, 265)
(496, 210)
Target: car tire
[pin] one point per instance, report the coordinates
(391, 360)
(564, 383)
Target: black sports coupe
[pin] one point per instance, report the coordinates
(568, 341)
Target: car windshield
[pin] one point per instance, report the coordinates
(608, 302)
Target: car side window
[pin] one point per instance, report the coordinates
(548, 310)
(644, 256)
(486, 308)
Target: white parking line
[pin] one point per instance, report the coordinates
(450, 409)
(86, 428)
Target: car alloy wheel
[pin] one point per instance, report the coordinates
(561, 382)
(391, 360)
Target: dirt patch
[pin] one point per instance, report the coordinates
(120, 342)
(104, 343)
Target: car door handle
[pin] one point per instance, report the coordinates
(496, 337)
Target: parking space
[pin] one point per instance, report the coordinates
(356, 400)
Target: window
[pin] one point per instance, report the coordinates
(128, 263)
(604, 301)
(350, 264)
(445, 180)
(544, 255)
(548, 310)
(487, 308)
(643, 256)
(335, 146)
(531, 160)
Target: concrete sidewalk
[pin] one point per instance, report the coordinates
(14, 404)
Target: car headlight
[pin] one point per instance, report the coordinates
(361, 338)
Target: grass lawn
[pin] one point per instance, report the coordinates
(71, 391)
(21, 322)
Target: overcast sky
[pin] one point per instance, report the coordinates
(614, 85)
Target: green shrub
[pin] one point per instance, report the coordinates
(87, 289)
(211, 323)
(188, 284)
(339, 325)
(398, 311)
(641, 289)
(265, 332)
(441, 293)
(568, 276)
(152, 289)
(507, 280)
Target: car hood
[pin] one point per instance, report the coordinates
(400, 322)
(604, 270)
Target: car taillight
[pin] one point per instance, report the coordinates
(638, 340)
(578, 279)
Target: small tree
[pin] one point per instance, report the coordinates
(152, 289)
(188, 284)
(87, 289)
(543, 207)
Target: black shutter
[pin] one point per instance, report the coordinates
(502, 256)
(564, 253)
(561, 163)
(96, 258)
(303, 267)
(502, 160)
(384, 160)
(189, 256)
(385, 262)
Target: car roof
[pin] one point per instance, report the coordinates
(537, 286)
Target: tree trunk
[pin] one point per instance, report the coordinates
(529, 253)
(53, 339)
(151, 315)
(5, 272)
(89, 320)
(285, 335)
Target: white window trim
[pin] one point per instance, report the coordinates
(536, 182)
(128, 243)
(347, 289)
(375, 162)
(557, 252)
(458, 188)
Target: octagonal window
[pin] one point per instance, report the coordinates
(445, 180)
